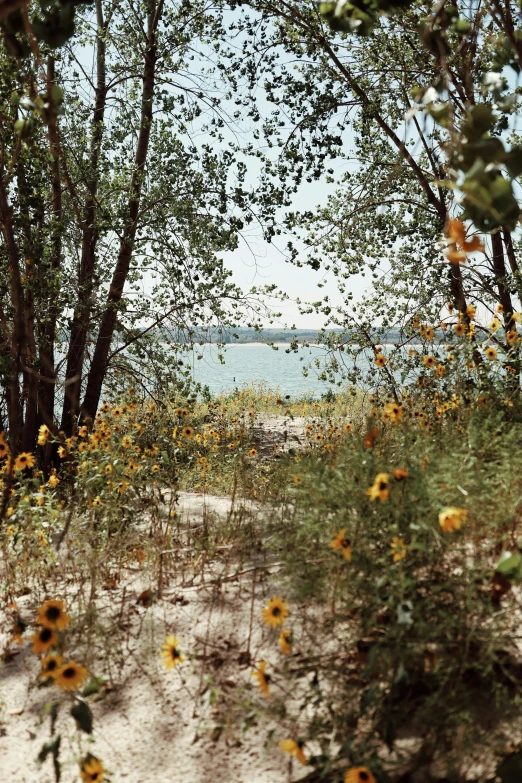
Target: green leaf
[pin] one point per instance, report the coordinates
(95, 685)
(440, 113)
(83, 716)
(513, 161)
(509, 564)
(49, 708)
(52, 747)
(482, 118)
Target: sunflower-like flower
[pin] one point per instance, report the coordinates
(340, 542)
(97, 501)
(495, 325)
(380, 488)
(252, 452)
(512, 337)
(358, 775)
(398, 549)
(276, 612)
(4, 448)
(50, 665)
(24, 460)
(43, 640)
(117, 412)
(188, 432)
(429, 361)
(440, 371)
(126, 442)
(380, 359)
(459, 329)
(490, 353)
(285, 641)
(429, 334)
(263, 678)
(394, 411)
(170, 652)
(70, 676)
(318, 437)
(62, 452)
(43, 434)
(52, 614)
(92, 770)
(54, 480)
(294, 748)
(452, 518)
(123, 487)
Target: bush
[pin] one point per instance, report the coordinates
(404, 629)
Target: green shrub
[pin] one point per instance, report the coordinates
(402, 626)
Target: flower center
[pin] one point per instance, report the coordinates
(276, 611)
(382, 486)
(45, 634)
(52, 613)
(69, 673)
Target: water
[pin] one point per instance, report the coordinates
(246, 364)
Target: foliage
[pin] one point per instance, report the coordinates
(411, 635)
(415, 127)
(118, 198)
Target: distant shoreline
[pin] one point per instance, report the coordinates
(270, 345)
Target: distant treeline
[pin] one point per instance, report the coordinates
(270, 335)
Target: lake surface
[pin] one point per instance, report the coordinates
(245, 364)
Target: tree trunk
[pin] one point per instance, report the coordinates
(101, 352)
(18, 329)
(499, 268)
(513, 263)
(82, 312)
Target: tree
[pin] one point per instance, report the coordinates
(420, 109)
(119, 191)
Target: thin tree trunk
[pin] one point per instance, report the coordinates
(513, 263)
(18, 330)
(48, 386)
(101, 352)
(30, 374)
(82, 312)
(499, 268)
